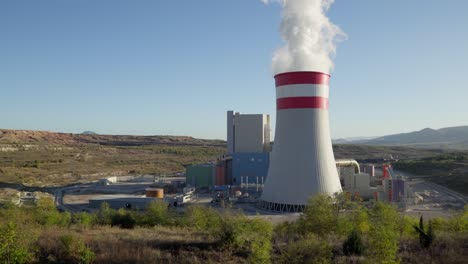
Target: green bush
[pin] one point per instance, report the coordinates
(383, 235)
(286, 231)
(206, 219)
(11, 248)
(83, 219)
(308, 250)
(353, 244)
(157, 213)
(47, 214)
(252, 236)
(406, 226)
(320, 216)
(459, 223)
(104, 215)
(124, 219)
(74, 250)
(357, 219)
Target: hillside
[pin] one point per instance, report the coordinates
(53, 138)
(450, 137)
(38, 158)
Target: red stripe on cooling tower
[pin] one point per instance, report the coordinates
(288, 78)
(302, 102)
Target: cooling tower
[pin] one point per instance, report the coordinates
(302, 162)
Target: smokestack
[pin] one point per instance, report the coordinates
(302, 163)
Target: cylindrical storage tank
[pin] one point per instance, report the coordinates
(302, 163)
(155, 192)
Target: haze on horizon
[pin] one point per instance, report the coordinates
(175, 67)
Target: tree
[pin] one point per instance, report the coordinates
(124, 219)
(252, 236)
(157, 213)
(104, 215)
(383, 234)
(320, 216)
(426, 237)
(11, 250)
(353, 244)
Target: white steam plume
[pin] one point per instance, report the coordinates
(309, 35)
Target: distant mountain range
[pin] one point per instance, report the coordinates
(89, 133)
(351, 139)
(450, 137)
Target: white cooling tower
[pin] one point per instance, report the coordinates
(302, 162)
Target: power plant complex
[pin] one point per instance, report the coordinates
(281, 176)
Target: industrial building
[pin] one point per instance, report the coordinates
(247, 159)
(249, 168)
(382, 186)
(249, 133)
(302, 163)
(201, 175)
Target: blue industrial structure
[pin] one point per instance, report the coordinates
(249, 166)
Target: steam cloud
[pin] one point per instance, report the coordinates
(309, 35)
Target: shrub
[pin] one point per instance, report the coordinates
(124, 219)
(45, 213)
(383, 234)
(286, 231)
(459, 223)
(157, 213)
(320, 216)
(252, 236)
(308, 250)
(74, 250)
(406, 225)
(11, 250)
(357, 219)
(104, 215)
(206, 219)
(83, 219)
(353, 244)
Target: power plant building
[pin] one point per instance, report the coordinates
(249, 168)
(201, 175)
(248, 132)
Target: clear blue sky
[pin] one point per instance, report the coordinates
(174, 67)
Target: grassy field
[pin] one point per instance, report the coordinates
(54, 165)
(38, 158)
(365, 152)
(51, 165)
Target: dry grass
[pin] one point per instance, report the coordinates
(141, 245)
(44, 165)
(448, 248)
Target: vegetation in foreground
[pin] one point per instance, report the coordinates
(329, 231)
(449, 170)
